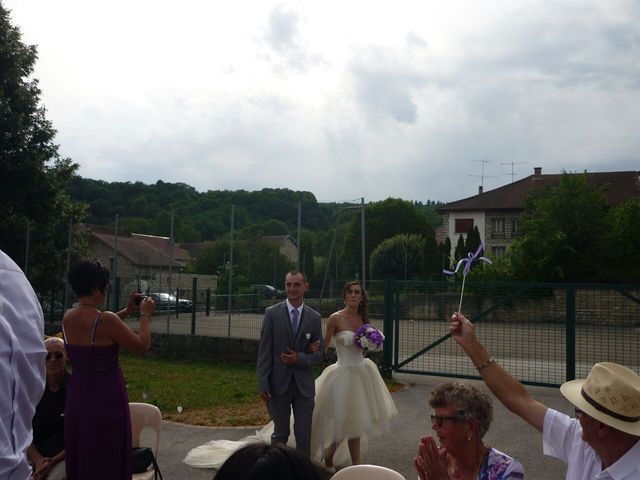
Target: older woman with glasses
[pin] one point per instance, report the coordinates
(46, 453)
(462, 415)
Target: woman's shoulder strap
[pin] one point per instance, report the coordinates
(95, 327)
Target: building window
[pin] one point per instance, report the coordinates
(515, 231)
(463, 225)
(497, 225)
(498, 251)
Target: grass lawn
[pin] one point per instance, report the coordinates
(199, 393)
(206, 393)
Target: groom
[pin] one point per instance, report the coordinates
(285, 358)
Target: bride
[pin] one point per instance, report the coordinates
(352, 400)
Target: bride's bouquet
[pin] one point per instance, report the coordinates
(369, 337)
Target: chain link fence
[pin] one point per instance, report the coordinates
(544, 334)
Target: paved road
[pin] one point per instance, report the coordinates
(396, 448)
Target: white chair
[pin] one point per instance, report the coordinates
(366, 472)
(145, 415)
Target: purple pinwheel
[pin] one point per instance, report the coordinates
(468, 261)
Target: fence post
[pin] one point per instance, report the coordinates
(52, 306)
(207, 302)
(387, 352)
(193, 306)
(570, 332)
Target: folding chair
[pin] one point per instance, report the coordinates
(145, 415)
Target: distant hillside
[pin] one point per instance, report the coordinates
(206, 216)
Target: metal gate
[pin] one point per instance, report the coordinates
(543, 334)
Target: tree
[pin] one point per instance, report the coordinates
(473, 239)
(307, 259)
(565, 234)
(431, 267)
(461, 249)
(445, 253)
(398, 257)
(34, 177)
(625, 241)
(383, 220)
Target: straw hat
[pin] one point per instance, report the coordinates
(610, 394)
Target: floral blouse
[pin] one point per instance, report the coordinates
(500, 466)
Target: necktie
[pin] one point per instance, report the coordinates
(294, 321)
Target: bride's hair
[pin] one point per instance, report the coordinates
(362, 307)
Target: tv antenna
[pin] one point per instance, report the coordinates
(512, 170)
(482, 176)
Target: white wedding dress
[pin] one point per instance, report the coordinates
(352, 401)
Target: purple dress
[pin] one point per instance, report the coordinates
(97, 425)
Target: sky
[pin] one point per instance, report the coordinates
(345, 99)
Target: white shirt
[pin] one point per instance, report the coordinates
(562, 439)
(22, 367)
(290, 308)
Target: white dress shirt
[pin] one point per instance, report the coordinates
(22, 367)
(562, 439)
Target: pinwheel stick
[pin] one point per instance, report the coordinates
(464, 277)
(468, 260)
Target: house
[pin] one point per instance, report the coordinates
(286, 245)
(496, 212)
(137, 255)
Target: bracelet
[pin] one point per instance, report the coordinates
(145, 315)
(485, 364)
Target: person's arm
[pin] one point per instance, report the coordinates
(330, 331)
(42, 471)
(130, 308)
(35, 457)
(138, 343)
(265, 356)
(509, 391)
(314, 356)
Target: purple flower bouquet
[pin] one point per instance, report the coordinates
(369, 337)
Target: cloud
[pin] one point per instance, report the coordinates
(384, 80)
(282, 34)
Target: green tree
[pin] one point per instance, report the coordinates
(431, 267)
(398, 257)
(625, 242)
(34, 176)
(445, 253)
(307, 239)
(383, 220)
(565, 234)
(473, 239)
(461, 249)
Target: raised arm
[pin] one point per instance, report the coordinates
(138, 343)
(509, 391)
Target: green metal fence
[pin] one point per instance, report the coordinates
(544, 334)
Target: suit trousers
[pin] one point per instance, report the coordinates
(280, 410)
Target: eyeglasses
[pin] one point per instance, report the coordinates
(56, 355)
(440, 419)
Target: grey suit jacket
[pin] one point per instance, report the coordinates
(276, 335)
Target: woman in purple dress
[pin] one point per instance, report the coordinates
(97, 423)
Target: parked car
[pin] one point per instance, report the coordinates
(162, 300)
(268, 291)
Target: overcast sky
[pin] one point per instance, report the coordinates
(346, 98)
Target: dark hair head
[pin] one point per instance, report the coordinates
(260, 461)
(467, 399)
(85, 275)
(362, 307)
(297, 272)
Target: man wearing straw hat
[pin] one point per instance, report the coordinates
(602, 442)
